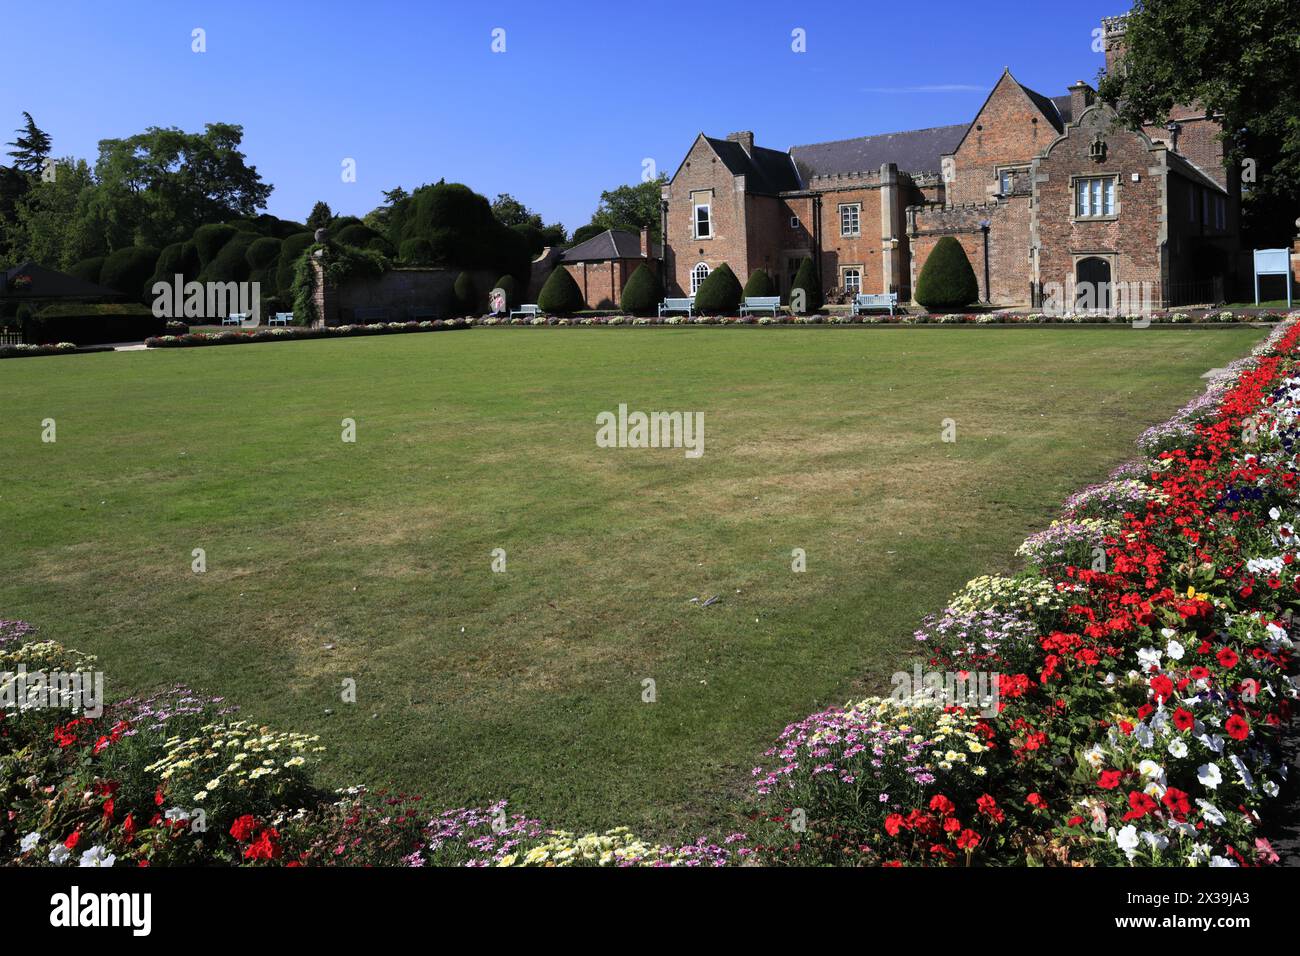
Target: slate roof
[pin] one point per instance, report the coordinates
(1047, 106)
(1063, 107)
(766, 171)
(913, 151)
(610, 244)
(48, 284)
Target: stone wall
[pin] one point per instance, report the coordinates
(400, 291)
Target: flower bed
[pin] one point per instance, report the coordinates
(31, 351)
(289, 333)
(1146, 675)
(1224, 317)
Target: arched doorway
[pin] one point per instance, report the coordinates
(1092, 285)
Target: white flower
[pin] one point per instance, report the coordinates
(1142, 733)
(1270, 788)
(1095, 757)
(1175, 651)
(1149, 768)
(1157, 840)
(28, 843)
(1178, 748)
(1149, 658)
(97, 856)
(1211, 813)
(1127, 840)
(177, 815)
(1209, 775)
(1243, 774)
(1221, 861)
(59, 854)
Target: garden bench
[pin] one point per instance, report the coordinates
(281, 318)
(761, 303)
(882, 300)
(235, 318)
(532, 310)
(370, 315)
(677, 305)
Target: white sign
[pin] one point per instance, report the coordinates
(1273, 262)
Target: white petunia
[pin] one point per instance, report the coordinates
(28, 843)
(97, 856)
(1221, 861)
(1178, 748)
(1127, 840)
(59, 854)
(1175, 651)
(1151, 769)
(1149, 658)
(1095, 757)
(1211, 813)
(1209, 775)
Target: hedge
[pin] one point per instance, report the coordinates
(291, 250)
(92, 325)
(128, 270)
(947, 280)
(560, 295)
(231, 262)
(719, 293)
(416, 252)
(465, 293)
(507, 285)
(641, 294)
(806, 279)
(88, 269)
(209, 240)
(293, 334)
(759, 285)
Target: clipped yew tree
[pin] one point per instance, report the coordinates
(466, 294)
(560, 295)
(507, 285)
(947, 280)
(128, 270)
(806, 279)
(641, 294)
(759, 285)
(291, 250)
(719, 293)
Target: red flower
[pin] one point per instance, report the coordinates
(1228, 658)
(893, 823)
(1109, 779)
(264, 847)
(951, 825)
(1176, 801)
(158, 798)
(1140, 805)
(1036, 801)
(941, 804)
(128, 827)
(1237, 728)
(1162, 687)
(989, 807)
(1183, 719)
(1198, 672)
(242, 829)
(968, 840)
(73, 839)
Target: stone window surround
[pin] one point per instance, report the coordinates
(1020, 169)
(1101, 174)
(696, 206)
(696, 279)
(857, 232)
(859, 269)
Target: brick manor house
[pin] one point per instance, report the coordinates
(1040, 191)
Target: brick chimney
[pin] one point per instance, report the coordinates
(1081, 95)
(746, 140)
(1113, 30)
(645, 242)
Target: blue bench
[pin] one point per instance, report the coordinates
(676, 305)
(761, 303)
(883, 300)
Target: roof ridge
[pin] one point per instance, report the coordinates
(849, 139)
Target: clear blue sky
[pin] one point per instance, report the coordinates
(583, 93)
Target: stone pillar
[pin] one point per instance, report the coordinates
(324, 295)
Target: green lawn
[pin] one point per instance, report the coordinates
(528, 685)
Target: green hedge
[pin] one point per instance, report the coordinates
(507, 285)
(466, 294)
(641, 294)
(210, 239)
(560, 295)
(719, 293)
(128, 270)
(291, 250)
(416, 252)
(947, 281)
(759, 285)
(231, 262)
(88, 269)
(92, 324)
(806, 279)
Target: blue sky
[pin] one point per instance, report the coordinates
(583, 93)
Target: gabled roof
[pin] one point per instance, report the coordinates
(610, 244)
(913, 151)
(48, 284)
(1063, 107)
(766, 171)
(1046, 105)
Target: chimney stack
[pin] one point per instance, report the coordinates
(1081, 95)
(645, 242)
(746, 140)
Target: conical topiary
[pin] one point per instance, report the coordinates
(806, 279)
(719, 293)
(466, 294)
(507, 285)
(947, 280)
(641, 294)
(759, 285)
(560, 295)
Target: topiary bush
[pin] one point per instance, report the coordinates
(947, 280)
(641, 294)
(719, 293)
(209, 239)
(291, 250)
(358, 234)
(263, 253)
(128, 270)
(179, 258)
(466, 294)
(806, 279)
(759, 285)
(560, 295)
(231, 263)
(416, 252)
(88, 269)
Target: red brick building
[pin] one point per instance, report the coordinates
(602, 264)
(1049, 196)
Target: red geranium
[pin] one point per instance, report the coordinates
(1227, 657)
(1183, 719)
(1237, 727)
(242, 829)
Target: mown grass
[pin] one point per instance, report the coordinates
(371, 561)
